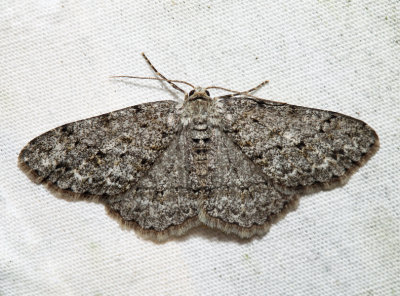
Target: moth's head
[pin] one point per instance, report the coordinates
(198, 93)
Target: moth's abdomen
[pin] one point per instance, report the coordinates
(201, 140)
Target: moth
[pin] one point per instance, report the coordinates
(235, 163)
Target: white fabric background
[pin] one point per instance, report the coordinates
(56, 57)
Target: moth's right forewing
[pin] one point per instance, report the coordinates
(299, 149)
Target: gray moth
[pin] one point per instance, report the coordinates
(236, 163)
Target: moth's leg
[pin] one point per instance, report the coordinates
(239, 93)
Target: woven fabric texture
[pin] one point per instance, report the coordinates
(56, 59)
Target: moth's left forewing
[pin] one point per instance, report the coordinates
(299, 149)
(103, 155)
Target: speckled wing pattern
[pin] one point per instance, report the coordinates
(103, 155)
(294, 150)
(298, 148)
(236, 164)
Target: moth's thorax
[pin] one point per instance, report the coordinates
(199, 116)
(198, 105)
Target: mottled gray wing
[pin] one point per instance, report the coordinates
(299, 149)
(163, 202)
(102, 155)
(241, 199)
